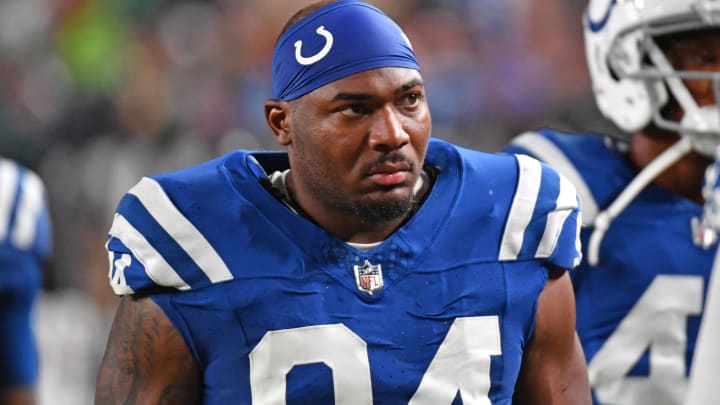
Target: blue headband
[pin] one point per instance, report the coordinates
(333, 42)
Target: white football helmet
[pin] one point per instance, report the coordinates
(633, 80)
(631, 76)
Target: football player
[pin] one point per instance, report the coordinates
(647, 252)
(706, 359)
(367, 264)
(24, 248)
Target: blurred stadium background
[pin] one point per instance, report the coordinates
(95, 94)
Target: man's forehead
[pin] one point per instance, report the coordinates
(701, 37)
(390, 79)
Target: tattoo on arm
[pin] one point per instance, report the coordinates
(146, 360)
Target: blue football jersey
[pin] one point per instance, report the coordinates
(24, 245)
(276, 310)
(639, 308)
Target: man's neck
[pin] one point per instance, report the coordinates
(348, 227)
(684, 178)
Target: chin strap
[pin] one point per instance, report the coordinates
(604, 219)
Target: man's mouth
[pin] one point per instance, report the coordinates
(390, 178)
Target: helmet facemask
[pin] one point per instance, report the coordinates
(701, 123)
(633, 80)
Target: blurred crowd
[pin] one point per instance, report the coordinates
(94, 94)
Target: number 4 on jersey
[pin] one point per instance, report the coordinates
(658, 323)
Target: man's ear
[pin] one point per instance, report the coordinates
(277, 114)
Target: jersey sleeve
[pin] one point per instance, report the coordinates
(24, 245)
(544, 145)
(152, 243)
(24, 215)
(19, 287)
(544, 218)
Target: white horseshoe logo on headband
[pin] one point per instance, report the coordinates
(312, 59)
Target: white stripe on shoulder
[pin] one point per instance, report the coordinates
(8, 186)
(29, 209)
(548, 152)
(523, 204)
(566, 203)
(158, 204)
(155, 265)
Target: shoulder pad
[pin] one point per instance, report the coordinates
(544, 217)
(152, 243)
(24, 216)
(543, 145)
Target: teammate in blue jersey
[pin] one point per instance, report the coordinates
(655, 68)
(24, 248)
(367, 264)
(702, 387)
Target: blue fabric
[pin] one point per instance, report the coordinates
(291, 277)
(20, 279)
(337, 41)
(650, 239)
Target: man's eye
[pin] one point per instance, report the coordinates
(706, 58)
(693, 59)
(355, 110)
(411, 100)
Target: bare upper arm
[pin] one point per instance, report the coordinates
(146, 360)
(554, 370)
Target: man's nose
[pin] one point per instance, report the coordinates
(386, 131)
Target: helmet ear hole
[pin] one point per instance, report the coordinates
(658, 93)
(657, 89)
(617, 61)
(604, 63)
(611, 71)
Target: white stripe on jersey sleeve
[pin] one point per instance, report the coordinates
(566, 203)
(548, 152)
(155, 265)
(523, 204)
(158, 204)
(8, 186)
(29, 209)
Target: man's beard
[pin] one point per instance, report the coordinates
(379, 211)
(366, 210)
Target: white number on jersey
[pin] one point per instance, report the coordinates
(470, 342)
(117, 270)
(658, 323)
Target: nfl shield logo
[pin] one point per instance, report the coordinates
(368, 277)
